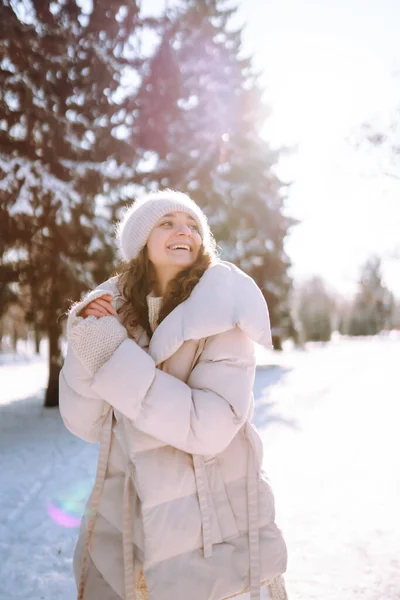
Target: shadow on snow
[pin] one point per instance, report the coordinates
(267, 411)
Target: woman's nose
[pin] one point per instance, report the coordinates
(184, 230)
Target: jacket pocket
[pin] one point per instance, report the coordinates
(220, 504)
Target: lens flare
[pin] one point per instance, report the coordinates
(67, 506)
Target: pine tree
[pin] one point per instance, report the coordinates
(68, 145)
(374, 304)
(202, 116)
(314, 308)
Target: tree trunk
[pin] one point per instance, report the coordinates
(55, 363)
(37, 340)
(277, 341)
(14, 338)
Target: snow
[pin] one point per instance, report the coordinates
(334, 461)
(328, 416)
(33, 175)
(40, 462)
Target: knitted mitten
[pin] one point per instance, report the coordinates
(94, 340)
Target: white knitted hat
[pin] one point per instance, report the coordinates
(133, 231)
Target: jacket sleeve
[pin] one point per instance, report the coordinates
(82, 409)
(200, 417)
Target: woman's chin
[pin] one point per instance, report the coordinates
(180, 263)
(181, 259)
(183, 263)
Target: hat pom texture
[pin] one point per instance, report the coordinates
(139, 219)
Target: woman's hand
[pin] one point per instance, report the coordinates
(101, 307)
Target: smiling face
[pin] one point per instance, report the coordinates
(173, 245)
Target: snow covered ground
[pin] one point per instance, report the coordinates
(329, 418)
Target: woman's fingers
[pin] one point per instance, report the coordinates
(93, 312)
(101, 302)
(96, 310)
(101, 307)
(92, 309)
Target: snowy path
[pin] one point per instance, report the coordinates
(329, 418)
(336, 471)
(39, 461)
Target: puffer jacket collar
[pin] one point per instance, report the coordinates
(224, 297)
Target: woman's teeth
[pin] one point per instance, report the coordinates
(179, 247)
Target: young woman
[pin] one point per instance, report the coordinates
(160, 370)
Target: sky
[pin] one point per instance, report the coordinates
(328, 66)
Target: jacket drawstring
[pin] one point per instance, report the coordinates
(104, 453)
(202, 492)
(253, 514)
(127, 541)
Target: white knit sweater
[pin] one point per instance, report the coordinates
(154, 305)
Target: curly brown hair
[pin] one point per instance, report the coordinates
(135, 281)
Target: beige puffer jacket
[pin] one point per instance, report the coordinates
(180, 492)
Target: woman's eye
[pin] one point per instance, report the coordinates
(167, 223)
(194, 227)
